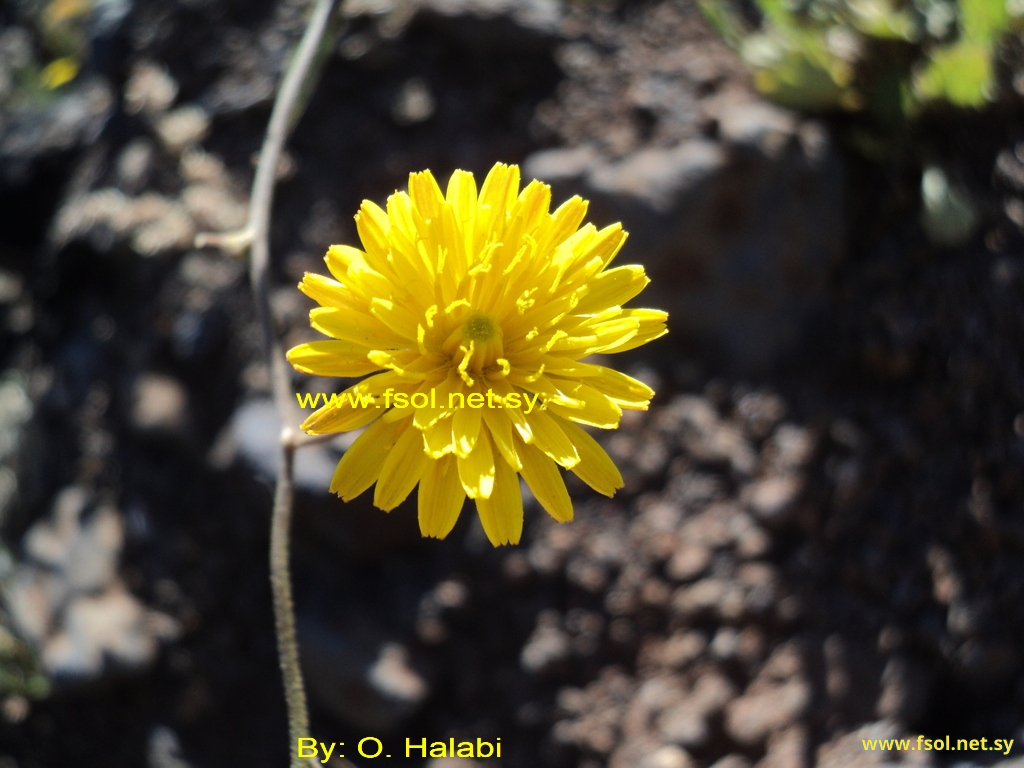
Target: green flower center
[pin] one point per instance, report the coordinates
(480, 328)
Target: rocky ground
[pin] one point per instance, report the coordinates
(820, 536)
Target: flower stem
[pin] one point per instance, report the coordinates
(292, 95)
(284, 607)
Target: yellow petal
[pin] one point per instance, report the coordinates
(499, 190)
(370, 282)
(427, 417)
(402, 469)
(344, 412)
(332, 358)
(440, 498)
(465, 429)
(372, 224)
(550, 438)
(626, 391)
(396, 317)
(477, 470)
(598, 409)
(361, 464)
(437, 438)
(612, 288)
(564, 221)
(500, 426)
(462, 199)
(541, 474)
(330, 293)
(502, 514)
(596, 468)
(607, 244)
(650, 326)
(356, 327)
(425, 193)
(515, 415)
(340, 257)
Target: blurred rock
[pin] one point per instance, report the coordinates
(760, 126)
(788, 449)
(737, 234)
(787, 749)
(686, 724)
(10, 287)
(214, 208)
(760, 412)
(949, 213)
(759, 712)
(682, 648)
(133, 165)
(174, 230)
(847, 750)
(112, 627)
(688, 561)
(705, 434)
(906, 690)
(732, 761)
(158, 403)
(164, 750)
(182, 128)
(255, 431)
(414, 102)
(657, 177)
(199, 167)
(67, 600)
(48, 126)
(772, 499)
(547, 646)
(360, 677)
(150, 222)
(669, 757)
(150, 89)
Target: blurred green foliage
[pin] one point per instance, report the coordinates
(888, 57)
(44, 51)
(20, 671)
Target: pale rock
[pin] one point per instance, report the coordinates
(688, 561)
(670, 756)
(149, 90)
(158, 403)
(732, 761)
(214, 208)
(182, 128)
(93, 555)
(546, 647)
(173, 231)
(772, 499)
(32, 598)
(847, 750)
(752, 717)
(786, 749)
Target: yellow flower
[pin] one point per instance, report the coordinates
(468, 298)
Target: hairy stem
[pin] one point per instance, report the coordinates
(291, 98)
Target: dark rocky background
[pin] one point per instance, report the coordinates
(821, 535)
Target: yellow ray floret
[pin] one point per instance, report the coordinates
(473, 309)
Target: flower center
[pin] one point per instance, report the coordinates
(480, 328)
(475, 347)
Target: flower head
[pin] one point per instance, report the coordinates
(474, 310)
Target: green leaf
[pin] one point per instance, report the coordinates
(960, 73)
(878, 18)
(983, 21)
